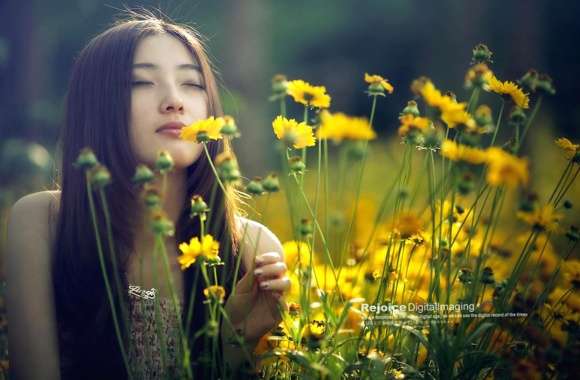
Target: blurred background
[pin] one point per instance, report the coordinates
(324, 42)
(332, 43)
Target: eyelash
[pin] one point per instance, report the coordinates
(144, 83)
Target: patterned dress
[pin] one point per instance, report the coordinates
(147, 336)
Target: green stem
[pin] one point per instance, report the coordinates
(105, 276)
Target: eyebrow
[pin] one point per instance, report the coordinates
(153, 66)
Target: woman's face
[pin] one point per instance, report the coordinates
(167, 90)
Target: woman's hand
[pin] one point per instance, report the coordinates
(254, 307)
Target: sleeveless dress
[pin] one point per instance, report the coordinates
(146, 334)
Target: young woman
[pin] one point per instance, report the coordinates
(128, 85)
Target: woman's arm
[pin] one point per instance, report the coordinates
(32, 341)
(257, 240)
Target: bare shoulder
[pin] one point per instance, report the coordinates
(29, 290)
(255, 238)
(34, 216)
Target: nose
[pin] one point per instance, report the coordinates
(172, 103)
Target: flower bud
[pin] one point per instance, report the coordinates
(573, 234)
(487, 276)
(546, 85)
(164, 162)
(483, 117)
(86, 159)
(305, 228)
(198, 206)
(530, 80)
(229, 128)
(356, 150)
(517, 116)
(296, 164)
(227, 168)
(465, 276)
(466, 184)
(142, 175)
(255, 187)
(279, 87)
(481, 54)
(271, 183)
(152, 197)
(410, 109)
(161, 225)
(99, 176)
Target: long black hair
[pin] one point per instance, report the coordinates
(97, 116)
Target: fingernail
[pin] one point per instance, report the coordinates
(258, 272)
(265, 285)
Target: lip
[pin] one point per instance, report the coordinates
(172, 125)
(172, 128)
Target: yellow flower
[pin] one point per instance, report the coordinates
(203, 130)
(506, 169)
(544, 218)
(216, 292)
(315, 330)
(299, 135)
(297, 253)
(570, 150)
(571, 274)
(410, 122)
(339, 126)
(208, 247)
(377, 80)
(307, 94)
(407, 225)
(507, 88)
(458, 152)
(452, 112)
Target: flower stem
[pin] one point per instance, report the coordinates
(105, 276)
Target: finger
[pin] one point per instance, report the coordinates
(268, 258)
(280, 284)
(270, 271)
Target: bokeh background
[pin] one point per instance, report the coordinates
(324, 42)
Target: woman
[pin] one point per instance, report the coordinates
(128, 86)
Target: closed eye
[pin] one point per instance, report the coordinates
(140, 83)
(192, 84)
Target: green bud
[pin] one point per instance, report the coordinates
(305, 228)
(198, 206)
(573, 234)
(86, 159)
(410, 109)
(255, 187)
(271, 184)
(143, 175)
(546, 85)
(487, 276)
(465, 276)
(152, 198)
(296, 164)
(279, 87)
(356, 150)
(160, 225)
(229, 128)
(481, 54)
(164, 162)
(517, 116)
(376, 89)
(99, 176)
